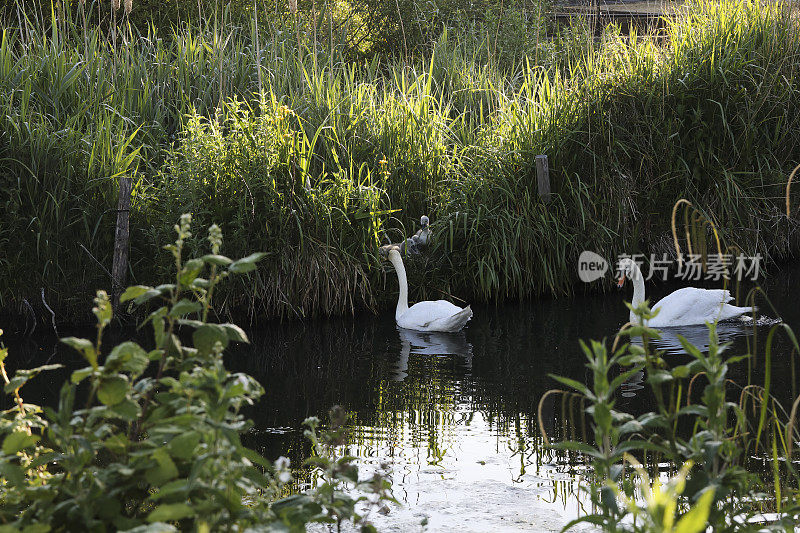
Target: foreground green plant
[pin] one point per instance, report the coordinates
(709, 441)
(149, 439)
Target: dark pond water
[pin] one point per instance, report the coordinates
(454, 414)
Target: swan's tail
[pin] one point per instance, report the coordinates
(454, 322)
(732, 311)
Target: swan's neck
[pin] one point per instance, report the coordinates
(638, 289)
(402, 299)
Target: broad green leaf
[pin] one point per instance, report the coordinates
(146, 296)
(183, 445)
(609, 499)
(690, 348)
(191, 269)
(737, 358)
(80, 375)
(15, 383)
(134, 292)
(112, 390)
(184, 307)
(580, 387)
(631, 427)
(170, 512)
(253, 456)
(84, 346)
(166, 288)
(215, 259)
(159, 329)
(619, 380)
(190, 323)
(694, 409)
(137, 363)
(206, 336)
(18, 440)
(163, 471)
(246, 264)
(12, 473)
(127, 409)
(695, 520)
(235, 333)
(657, 377)
(201, 283)
(652, 419)
(601, 413)
(638, 331)
(681, 371)
(24, 375)
(176, 489)
(128, 356)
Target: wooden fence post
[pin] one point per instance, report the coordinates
(120, 265)
(543, 177)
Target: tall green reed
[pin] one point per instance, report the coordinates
(630, 124)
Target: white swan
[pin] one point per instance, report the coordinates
(684, 307)
(440, 315)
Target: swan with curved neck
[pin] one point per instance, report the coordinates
(439, 315)
(684, 307)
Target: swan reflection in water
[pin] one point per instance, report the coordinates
(671, 345)
(696, 335)
(430, 343)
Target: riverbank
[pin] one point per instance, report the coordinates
(337, 155)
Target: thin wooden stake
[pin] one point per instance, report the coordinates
(543, 177)
(120, 265)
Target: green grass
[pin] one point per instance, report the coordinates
(630, 125)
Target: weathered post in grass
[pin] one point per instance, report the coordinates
(543, 177)
(120, 265)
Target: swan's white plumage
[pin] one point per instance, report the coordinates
(439, 315)
(684, 307)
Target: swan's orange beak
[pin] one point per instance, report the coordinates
(621, 282)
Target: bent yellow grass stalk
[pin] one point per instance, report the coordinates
(788, 189)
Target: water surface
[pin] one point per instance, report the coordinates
(454, 415)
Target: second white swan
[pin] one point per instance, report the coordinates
(439, 315)
(684, 307)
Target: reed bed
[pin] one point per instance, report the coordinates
(301, 151)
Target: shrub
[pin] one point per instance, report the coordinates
(712, 485)
(149, 439)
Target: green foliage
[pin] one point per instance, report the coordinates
(408, 27)
(630, 125)
(325, 226)
(712, 487)
(148, 439)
